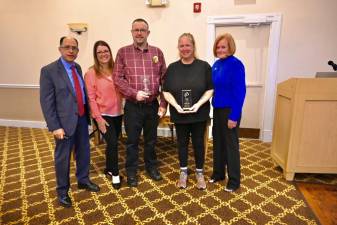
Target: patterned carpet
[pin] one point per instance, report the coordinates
(27, 189)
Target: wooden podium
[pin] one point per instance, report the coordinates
(305, 126)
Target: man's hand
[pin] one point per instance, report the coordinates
(59, 134)
(142, 96)
(102, 126)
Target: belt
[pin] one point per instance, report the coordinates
(142, 103)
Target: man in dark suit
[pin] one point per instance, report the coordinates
(64, 104)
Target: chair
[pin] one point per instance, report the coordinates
(166, 121)
(95, 133)
(206, 136)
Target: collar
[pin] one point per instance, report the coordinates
(67, 64)
(146, 49)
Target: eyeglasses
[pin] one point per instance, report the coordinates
(68, 47)
(139, 30)
(102, 52)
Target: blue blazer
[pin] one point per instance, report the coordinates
(58, 99)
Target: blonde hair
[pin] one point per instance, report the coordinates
(231, 43)
(191, 38)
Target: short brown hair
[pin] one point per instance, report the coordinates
(141, 20)
(230, 40)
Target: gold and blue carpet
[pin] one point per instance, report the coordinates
(27, 189)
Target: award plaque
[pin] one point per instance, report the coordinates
(186, 99)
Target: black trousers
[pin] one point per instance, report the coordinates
(196, 131)
(138, 117)
(225, 148)
(111, 138)
(79, 141)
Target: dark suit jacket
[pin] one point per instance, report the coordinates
(57, 98)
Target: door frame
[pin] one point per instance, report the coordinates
(274, 20)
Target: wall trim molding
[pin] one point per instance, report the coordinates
(162, 131)
(267, 135)
(274, 20)
(23, 86)
(22, 123)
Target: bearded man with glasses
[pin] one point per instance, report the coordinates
(138, 73)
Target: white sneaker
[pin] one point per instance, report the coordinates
(182, 182)
(230, 189)
(201, 184)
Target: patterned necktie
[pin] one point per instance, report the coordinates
(78, 91)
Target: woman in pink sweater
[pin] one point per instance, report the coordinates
(106, 106)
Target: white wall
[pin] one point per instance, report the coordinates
(30, 30)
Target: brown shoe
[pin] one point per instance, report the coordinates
(182, 182)
(201, 184)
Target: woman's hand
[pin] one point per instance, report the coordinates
(231, 124)
(102, 126)
(179, 109)
(194, 108)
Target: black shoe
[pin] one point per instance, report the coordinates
(88, 186)
(154, 174)
(118, 185)
(65, 201)
(132, 181)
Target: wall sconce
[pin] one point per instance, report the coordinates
(78, 27)
(156, 3)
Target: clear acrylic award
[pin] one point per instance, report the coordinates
(186, 100)
(146, 84)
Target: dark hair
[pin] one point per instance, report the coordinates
(62, 38)
(96, 65)
(141, 20)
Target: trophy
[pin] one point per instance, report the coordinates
(146, 83)
(186, 99)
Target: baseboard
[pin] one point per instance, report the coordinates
(253, 133)
(165, 132)
(266, 135)
(162, 131)
(22, 123)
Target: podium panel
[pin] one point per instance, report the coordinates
(305, 126)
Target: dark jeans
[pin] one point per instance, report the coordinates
(196, 131)
(138, 117)
(111, 138)
(225, 148)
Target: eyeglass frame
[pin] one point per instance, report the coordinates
(68, 47)
(139, 30)
(102, 52)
